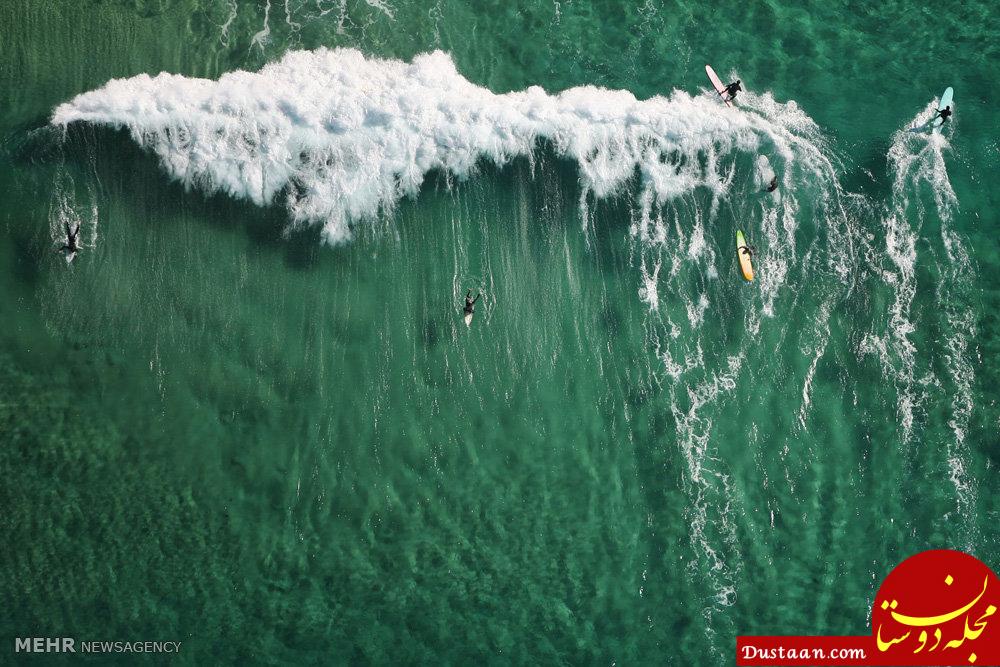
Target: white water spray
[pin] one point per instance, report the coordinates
(339, 137)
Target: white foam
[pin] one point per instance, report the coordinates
(822, 336)
(340, 136)
(919, 169)
(911, 161)
(708, 488)
(647, 292)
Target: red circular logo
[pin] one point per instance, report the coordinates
(938, 607)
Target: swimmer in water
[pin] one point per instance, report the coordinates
(72, 246)
(470, 304)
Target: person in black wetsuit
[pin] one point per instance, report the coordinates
(773, 184)
(944, 114)
(733, 88)
(750, 250)
(71, 246)
(470, 304)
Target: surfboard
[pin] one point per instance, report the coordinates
(717, 84)
(745, 266)
(945, 101)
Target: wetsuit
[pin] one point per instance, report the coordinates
(470, 304)
(71, 246)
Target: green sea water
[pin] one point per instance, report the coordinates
(220, 431)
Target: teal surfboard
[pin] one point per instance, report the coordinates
(945, 101)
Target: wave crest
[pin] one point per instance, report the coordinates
(342, 136)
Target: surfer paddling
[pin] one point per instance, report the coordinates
(72, 246)
(470, 306)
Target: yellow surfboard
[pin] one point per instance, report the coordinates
(744, 255)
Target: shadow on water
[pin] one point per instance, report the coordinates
(33, 143)
(117, 161)
(28, 256)
(121, 164)
(22, 152)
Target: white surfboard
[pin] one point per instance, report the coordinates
(936, 122)
(717, 84)
(468, 319)
(945, 101)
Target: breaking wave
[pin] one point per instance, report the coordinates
(339, 137)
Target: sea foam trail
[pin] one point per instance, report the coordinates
(686, 282)
(341, 137)
(917, 161)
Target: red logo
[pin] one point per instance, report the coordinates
(936, 608)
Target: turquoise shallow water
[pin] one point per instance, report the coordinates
(219, 431)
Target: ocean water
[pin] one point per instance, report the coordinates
(249, 417)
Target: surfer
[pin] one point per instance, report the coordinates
(71, 247)
(943, 114)
(470, 305)
(748, 250)
(773, 185)
(733, 88)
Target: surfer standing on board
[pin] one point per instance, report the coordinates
(733, 88)
(773, 185)
(944, 114)
(748, 250)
